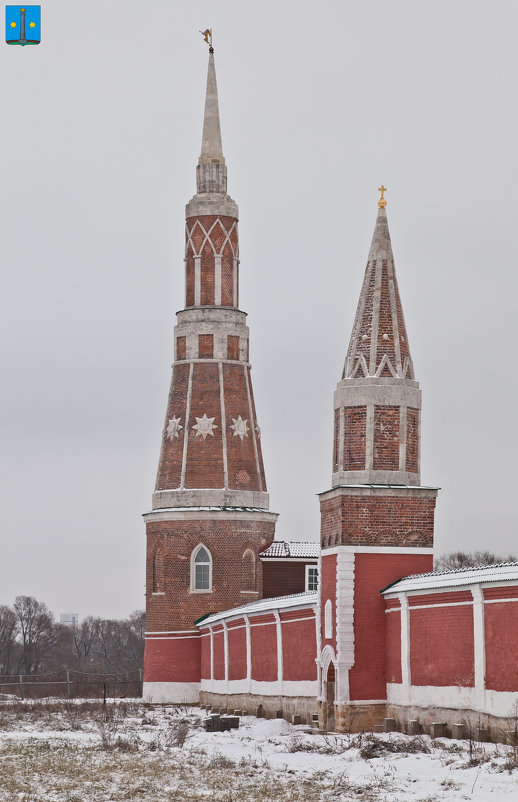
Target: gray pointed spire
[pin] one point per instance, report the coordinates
(211, 173)
(211, 147)
(381, 246)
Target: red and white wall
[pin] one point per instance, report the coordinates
(263, 649)
(452, 640)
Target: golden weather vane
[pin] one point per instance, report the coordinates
(207, 37)
(382, 202)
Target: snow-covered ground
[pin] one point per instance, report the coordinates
(81, 752)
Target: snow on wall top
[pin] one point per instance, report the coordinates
(455, 578)
(263, 605)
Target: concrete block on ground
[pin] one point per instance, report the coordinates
(458, 731)
(238, 712)
(389, 725)
(482, 734)
(379, 728)
(438, 729)
(296, 719)
(278, 714)
(414, 728)
(259, 712)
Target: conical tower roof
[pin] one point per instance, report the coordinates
(211, 147)
(379, 342)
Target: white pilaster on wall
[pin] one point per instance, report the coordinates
(217, 280)
(406, 678)
(345, 561)
(402, 438)
(223, 426)
(248, 654)
(186, 438)
(225, 651)
(278, 632)
(211, 658)
(197, 280)
(479, 645)
(341, 437)
(235, 263)
(253, 427)
(369, 445)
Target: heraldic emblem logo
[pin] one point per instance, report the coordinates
(23, 25)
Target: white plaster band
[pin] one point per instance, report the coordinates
(168, 499)
(171, 692)
(394, 393)
(376, 550)
(228, 514)
(375, 490)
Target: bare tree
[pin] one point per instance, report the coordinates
(83, 639)
(39, 634)
(462, 559)
(8, 633)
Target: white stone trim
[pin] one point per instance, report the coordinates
(262, 606)
(479, 644)
(225, 651)
(171, 692)
(235, 266)
(253, 424)
(187, 421)
(197, 280)
(217, 280)
(455, 697)
(169, 636)
(499, 601)
(248, 653)
(378, 267)
(278, 634)
(230, 514)
(376, 550)
(362, 392)
(223, 425)
(327, 656)
(168, 500)
(391, 280)
(211, 630)
(406, 677)
(345, 567)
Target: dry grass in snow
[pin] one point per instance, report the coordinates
(83, 752)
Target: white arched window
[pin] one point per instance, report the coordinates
(201, 570)
(328, 619)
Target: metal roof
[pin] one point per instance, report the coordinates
(287, 549)
(262, 605)
(500, 572)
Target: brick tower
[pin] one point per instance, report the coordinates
(209, 517)
(377, 520)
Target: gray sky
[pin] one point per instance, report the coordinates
(320, 103)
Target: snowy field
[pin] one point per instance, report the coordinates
(81, 752)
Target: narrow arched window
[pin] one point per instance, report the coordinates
(328, 619)
(248, 570)
(158, 571)
(201, 570)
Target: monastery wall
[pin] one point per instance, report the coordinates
(453, 648)
(261, 657)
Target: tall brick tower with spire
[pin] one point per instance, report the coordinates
(210, 514)
(377, 520)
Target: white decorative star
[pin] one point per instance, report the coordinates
(173, 427)
(239, 426)
(258, 431)
(204, 426)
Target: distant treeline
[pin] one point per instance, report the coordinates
(32, 642)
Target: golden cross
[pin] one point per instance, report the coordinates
(207, 37)
(382, 202)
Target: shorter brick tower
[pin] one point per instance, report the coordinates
(377, 520)
(210, 516)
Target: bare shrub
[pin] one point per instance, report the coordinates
(376, 747)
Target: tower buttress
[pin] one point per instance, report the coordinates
(210, 513)
(377, 519)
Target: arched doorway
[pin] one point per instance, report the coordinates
(330, 698)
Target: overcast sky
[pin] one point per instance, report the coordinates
(320, 103)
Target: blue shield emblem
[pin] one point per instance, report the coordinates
(23, 25)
